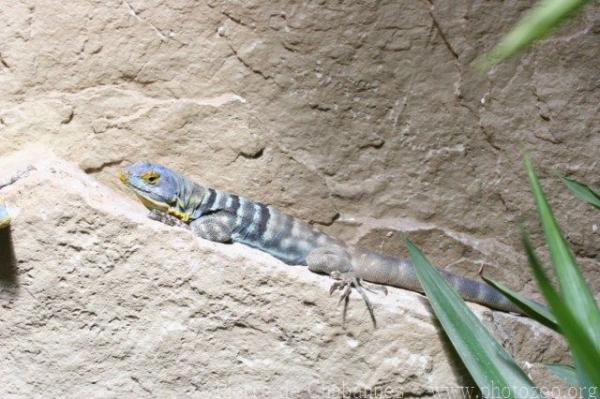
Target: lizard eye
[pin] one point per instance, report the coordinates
(151, 177)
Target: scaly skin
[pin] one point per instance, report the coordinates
(224, 217)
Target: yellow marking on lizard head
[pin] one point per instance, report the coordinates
(123, 177)
(162, 206)
(152, 204)
(151, 176)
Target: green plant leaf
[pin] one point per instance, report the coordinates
(531, 308)
(585, 353)
(537, 23)
(574, 289)
(565, 372)
(583, 191)
(490, 365)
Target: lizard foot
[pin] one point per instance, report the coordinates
(344, 283)
(167, 219)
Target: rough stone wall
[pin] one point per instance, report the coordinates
(340, 112)
(99, 301)
(362, 116)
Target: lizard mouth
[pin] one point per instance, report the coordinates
(162, 206)
(151, 203)
(148, 202)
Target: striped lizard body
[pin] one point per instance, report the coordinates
(224, 217)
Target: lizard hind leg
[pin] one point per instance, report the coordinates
(337, 263)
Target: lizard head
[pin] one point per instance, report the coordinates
(156, 186)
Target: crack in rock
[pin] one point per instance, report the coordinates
(96, 169)
(248, 66)
(133, 12)
(3, 62)
(439, 30)
(14, 178)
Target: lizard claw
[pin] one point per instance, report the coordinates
(375, 288)
(480, 271)
(345, 282)
(336, 285)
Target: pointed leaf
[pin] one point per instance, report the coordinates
(490, 365)
(535, 310)
(574, 289)
(586, 355)
(545, 16)
(583, 191)
(565, 372)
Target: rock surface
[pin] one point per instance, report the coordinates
(337, 112)
(99, 301)
(361, 116)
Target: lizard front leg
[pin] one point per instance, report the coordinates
(218, 226)
(337, 263)
(167, 219)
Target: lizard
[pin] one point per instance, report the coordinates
(225, 217)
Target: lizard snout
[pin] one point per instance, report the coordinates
(123, 176)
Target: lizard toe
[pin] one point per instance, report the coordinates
(345, 282)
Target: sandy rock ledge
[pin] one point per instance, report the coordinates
(99, 301)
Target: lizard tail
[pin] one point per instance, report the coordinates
(401, 273)
(480, 292)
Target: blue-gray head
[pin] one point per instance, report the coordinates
(157, 187)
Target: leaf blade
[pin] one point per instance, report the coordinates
(574, 289)
(537, 23)
(533, 309)
(489, 364)
(586, 355)
(565, 372)
(583, 191)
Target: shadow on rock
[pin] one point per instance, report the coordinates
(466, 388)
(8, 260)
